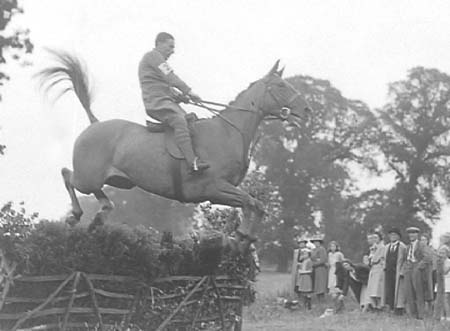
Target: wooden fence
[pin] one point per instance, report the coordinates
(81, 301)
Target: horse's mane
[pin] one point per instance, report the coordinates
(231, 103)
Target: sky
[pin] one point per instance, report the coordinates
(221, 46)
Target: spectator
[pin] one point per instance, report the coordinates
(441, 305)
(447, 286)
(301, 243)
(353, 276)
(430, 285)
(365, 299)
(375, 285)
(334, 255)
(394, 287)
(319, 259)
(304, 279)
(418, 260)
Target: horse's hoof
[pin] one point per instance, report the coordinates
(72, 220)
(98, 221)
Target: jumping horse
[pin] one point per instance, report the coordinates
(124, 154)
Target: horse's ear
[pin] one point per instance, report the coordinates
(280, 72)
(274, 68)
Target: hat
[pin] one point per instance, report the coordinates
(347, 261)
(318, 237)
(445, 238)
(395, 230)
(412, 229)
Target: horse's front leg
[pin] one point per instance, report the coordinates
(252, 209)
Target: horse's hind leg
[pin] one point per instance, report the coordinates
(76, 208)
(106, 206)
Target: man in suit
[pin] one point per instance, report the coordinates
(394, 287)
(418, 259)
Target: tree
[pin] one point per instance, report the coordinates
(15, 226)
(414, 135)
(311, 162)
(12, 43)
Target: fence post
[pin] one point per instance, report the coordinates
(94, 302)
(71, 300)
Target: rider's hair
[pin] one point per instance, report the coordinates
(162, 37)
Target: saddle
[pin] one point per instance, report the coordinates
(169, 137)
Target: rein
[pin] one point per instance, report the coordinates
(285, 111)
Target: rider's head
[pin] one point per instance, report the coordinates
(165, 44)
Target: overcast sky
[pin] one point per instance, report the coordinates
(221, 46)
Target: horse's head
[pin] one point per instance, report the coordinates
(281, 99)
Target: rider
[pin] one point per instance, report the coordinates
(158, 81)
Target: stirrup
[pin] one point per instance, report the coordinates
(201, 167)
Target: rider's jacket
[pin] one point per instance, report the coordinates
(157, 79)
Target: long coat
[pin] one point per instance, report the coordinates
(442, 254)
(416, 279)
(400, 295)
(319, 258)
(429, 290)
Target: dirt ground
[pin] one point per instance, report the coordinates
(268, 315)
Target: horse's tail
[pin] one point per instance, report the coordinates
(70, 69)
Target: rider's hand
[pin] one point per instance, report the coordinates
(194, 97)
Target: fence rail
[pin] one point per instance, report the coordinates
(71, 289)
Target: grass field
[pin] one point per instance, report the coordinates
(266, 315)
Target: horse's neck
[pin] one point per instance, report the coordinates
(246, 122)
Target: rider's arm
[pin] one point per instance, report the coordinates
(158, 62)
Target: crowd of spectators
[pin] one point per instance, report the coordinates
(393, 276)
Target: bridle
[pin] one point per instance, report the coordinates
(284, 112)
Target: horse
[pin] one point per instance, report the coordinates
(125, 154)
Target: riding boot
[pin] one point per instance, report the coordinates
(184, 142)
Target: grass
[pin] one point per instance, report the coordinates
(267, 315)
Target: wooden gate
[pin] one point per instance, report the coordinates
(81, 301)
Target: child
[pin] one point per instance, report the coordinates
(334, 255)
(304, 279)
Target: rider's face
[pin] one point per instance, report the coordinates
(166, 48)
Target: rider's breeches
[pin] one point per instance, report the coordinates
(181, 131)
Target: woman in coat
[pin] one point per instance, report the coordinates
(375, 285)
(319, 258)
